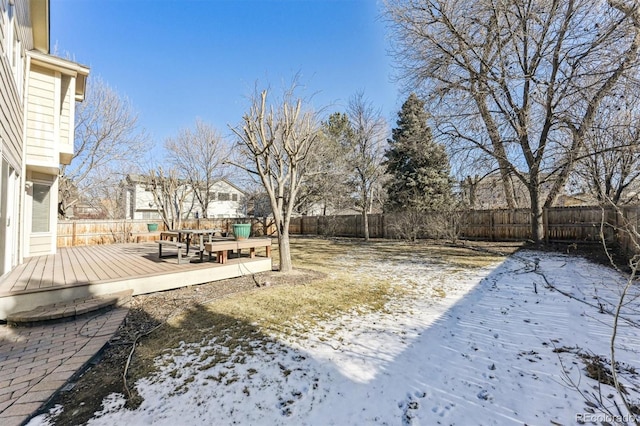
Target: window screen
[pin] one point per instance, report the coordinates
(41, 208)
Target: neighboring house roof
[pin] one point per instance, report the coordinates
(231, 185)
(137, 178)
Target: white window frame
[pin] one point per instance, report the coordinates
(33, 206)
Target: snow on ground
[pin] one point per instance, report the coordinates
(490, 346)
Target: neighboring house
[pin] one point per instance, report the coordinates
(38, 92)
(137, 200)
(319, 209)
(573, 200)
(488, 192)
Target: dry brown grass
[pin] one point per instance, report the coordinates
(296, 309)
(242, 318)
(299, 308)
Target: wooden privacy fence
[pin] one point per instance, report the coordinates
(561, 224)
(92, 232)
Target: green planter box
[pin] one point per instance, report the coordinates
(241, 231)
(152, 227)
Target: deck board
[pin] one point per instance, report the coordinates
(22, 281)
(38, 270)
(78, 272)
(58, 271)
(48, 271)
(126, 265)
(120, 264)
(74, 266)
(103, 271)
(67, 266)
(90, 268)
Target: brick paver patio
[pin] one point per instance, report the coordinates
(35, 362)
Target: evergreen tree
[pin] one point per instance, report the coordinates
(418, 167)
(327, 187)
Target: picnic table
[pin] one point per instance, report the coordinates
(189, 235)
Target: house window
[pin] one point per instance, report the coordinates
(9, 23)
(11, 43)
(234, 197)
(41, 211)
(223, 196)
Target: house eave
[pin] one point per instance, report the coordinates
(74, 69)
(40, 24)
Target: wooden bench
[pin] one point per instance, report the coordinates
(169, 235)
(143, 237)
(175, 244)
(222, 248)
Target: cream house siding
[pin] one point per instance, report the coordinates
(12, 113)
(49, 126)
(227, 202)
(67, 103)
(41, 243)
(11, 135)
(41, 114)
(11, 121)
(4, 27)
(37, 103)
(23, 23)
(145, 204)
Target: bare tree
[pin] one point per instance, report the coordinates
(610, 166)
(277, 139)
(632, 233)
(326, 191)
(365, 155)
(519, 81)
(626, 227)
(200, 154)
(109, 144)
(172, 196)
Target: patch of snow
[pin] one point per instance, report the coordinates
(484, 346)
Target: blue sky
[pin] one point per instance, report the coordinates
(178, 60)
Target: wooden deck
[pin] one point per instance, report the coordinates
(83, 271)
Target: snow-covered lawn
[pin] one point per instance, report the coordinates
(491, 346)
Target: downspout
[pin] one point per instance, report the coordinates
(22, 235)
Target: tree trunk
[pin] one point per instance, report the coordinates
(499, 151)
(537, 218)
(284, 250)
(365, 225)
(365, 213)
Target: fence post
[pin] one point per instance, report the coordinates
(73, 233)
(545, 220)
(492, 236)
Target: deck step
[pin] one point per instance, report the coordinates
(70, 309)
